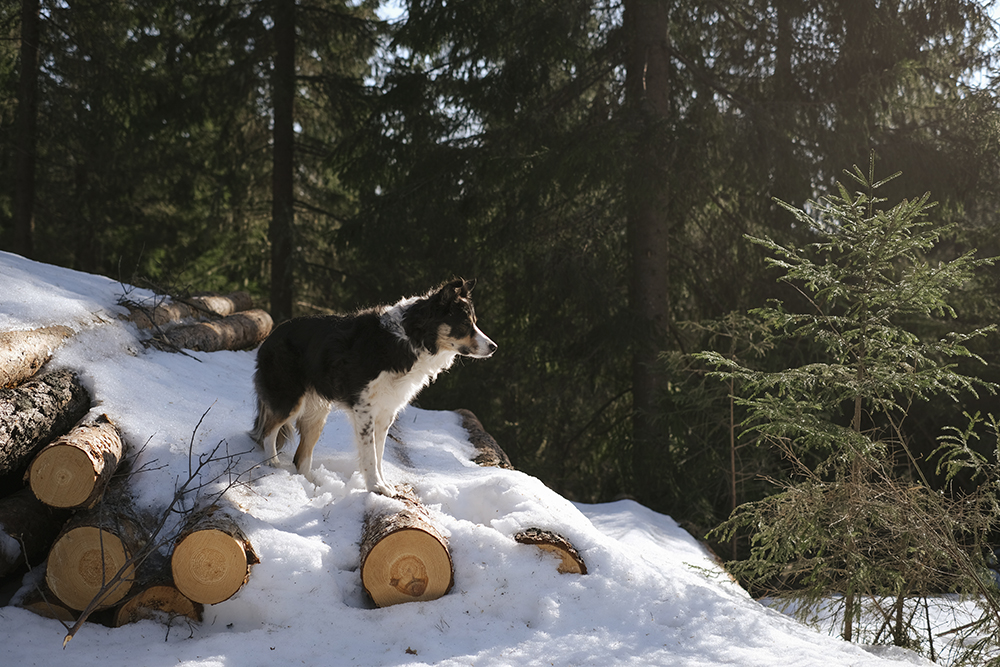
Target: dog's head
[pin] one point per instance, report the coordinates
(446, 320)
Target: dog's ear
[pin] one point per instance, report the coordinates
(469, 285)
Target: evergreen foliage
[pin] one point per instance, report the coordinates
(858, 517)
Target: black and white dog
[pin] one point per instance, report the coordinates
(370, 364)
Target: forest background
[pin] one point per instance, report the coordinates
(595, 164)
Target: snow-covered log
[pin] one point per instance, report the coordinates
(27, 529)
(404, 556)
(570, 560)
(154, 596)
(34, 413)
(236, 332)
(488, 452)
(210, 305)
(74, 470)
(22, 353)
(212, 557)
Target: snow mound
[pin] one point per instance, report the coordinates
(652, 596)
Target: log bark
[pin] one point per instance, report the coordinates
(404, 556)
(154, 596)
(236, 332)
(22, 353)
(94, 547)
(28, 528)
(488, 452)
(210, 305)
(36, 412)
(570, 560)
(212, 557)
(74, 470)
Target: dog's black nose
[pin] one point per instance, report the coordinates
(492, 347)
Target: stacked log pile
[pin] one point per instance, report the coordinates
(65, 499)
(225, 322)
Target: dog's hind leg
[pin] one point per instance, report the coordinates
(312, 416)
(268, 428)
(381, 424)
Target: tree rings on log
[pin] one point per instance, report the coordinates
(404, 557)
(74, 470)
(236, 332)
(488, 452)
(211, 558)
(22, 353)
(95, 548)
(27, 529)
(570, 560)
(34, 413)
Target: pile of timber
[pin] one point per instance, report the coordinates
(204, 323)
(65, 501)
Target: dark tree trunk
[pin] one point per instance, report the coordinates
(648, 99)
(283, 195)
(24, 132)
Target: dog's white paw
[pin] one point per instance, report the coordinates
(384, 489)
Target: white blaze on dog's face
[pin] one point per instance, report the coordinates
(461, 334)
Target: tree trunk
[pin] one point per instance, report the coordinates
(95, 546)
(74, 470)
(33, 414)
(488, 452)
(22, 353)
(282, 176)
(212, 557)
(239, 331)
(25, 130)
(647, 90)
(28, 528)
(570, 560)
(155, 595)
(404, 557)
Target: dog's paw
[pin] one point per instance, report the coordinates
(384, 489)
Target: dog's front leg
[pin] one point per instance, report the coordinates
(369, 451)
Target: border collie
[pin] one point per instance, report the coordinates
(370, 364)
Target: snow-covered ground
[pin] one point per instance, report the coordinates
(652, 595)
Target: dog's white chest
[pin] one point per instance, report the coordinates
(392, 390)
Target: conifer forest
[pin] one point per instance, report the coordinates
(737, 255)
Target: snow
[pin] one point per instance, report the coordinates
(653, 596)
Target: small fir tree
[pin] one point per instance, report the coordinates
(859, 523)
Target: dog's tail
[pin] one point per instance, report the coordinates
(264, 417)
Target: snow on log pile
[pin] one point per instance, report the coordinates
(66, 506)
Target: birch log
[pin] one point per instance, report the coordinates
(22, 353)
(36, 412)
(404, 556)
(212, 557)
(74, 470)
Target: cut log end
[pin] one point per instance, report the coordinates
(570, 560)
(81, 561)
(209, 566)
(406, 566)
(62, 476)
(155, 601)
